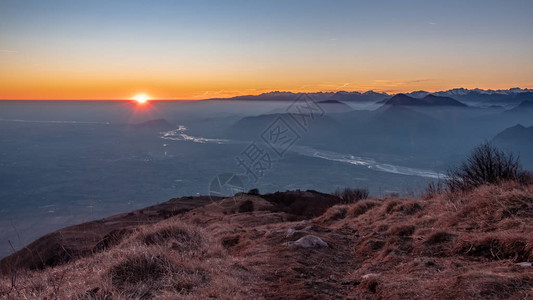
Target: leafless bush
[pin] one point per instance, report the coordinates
(349, 195)
(486, 165)
(254, 192)
(434, 188)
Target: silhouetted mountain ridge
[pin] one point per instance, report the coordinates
(429, 100)
(517, 139)
(511, 96)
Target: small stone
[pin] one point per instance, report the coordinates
(308, 241)
(370, 275)
(317, 228)
(524, 264)
(350, 282)
(302, 224)
(425, 260)
(289, 232)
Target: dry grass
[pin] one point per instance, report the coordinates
(362, 207)
(162, 261)
(483, 231)
(452, 245)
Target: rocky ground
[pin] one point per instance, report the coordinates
(291, 245)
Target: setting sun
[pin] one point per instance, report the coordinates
(141, 98)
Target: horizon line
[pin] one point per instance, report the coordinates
(273, 91)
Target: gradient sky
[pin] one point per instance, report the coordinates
(200, 49)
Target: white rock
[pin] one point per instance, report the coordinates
(370, 275)
(289, 232)
(524, 264)
(303, 223)
(309, 241)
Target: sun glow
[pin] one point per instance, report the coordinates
(141, 98)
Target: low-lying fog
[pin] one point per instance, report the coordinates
(65, 162)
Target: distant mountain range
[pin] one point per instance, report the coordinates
(462, 92)
(509, 96)
(428, 100)
(280, 96)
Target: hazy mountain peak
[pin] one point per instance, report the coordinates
(402, 99)
(526, 103)
(428, 100)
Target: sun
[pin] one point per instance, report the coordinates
(141, 98)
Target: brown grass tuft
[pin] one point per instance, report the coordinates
(246, 206)
(363, 206)
(454, 245)
(95, 294)
(174, 237)
(334, 213)
(439, 237)
(142, 276)
(391, 204)
(230, 241)
(408, 207)
(497, 246)
(402, 230)
(490, 285)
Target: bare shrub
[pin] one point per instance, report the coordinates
(349, 195)
(433, 189)
(486, 165)
(254, 192)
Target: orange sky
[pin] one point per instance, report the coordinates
(190, 50)
(85, 77)
(20, 79)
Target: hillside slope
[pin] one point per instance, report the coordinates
(465, 246)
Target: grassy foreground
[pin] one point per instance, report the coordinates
(465, 245)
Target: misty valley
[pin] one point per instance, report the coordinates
(66, 162)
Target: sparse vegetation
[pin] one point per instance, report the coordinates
(486, 165)
(350, 195)
(362, 207)
(141, 276)
(434, 188)
(254, 192)
(173, 237)
(453, 244)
